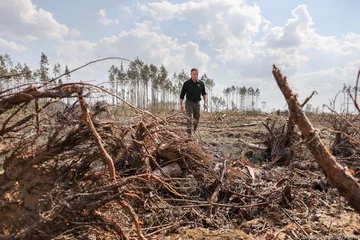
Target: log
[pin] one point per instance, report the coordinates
(172, 170)
(337, 175)
(33, 93)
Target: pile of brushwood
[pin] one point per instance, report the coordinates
(86, 171)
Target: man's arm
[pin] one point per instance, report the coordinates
(182, 95)
(204, 94)
(205, 101)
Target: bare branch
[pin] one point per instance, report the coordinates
(308, 99)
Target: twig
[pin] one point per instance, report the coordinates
(7, 76)
(308, 98)
(354, 100)
(204, 204)
(134, 217)
(356, 88)
(76, 69)
(10, 117)
(115, 226)
(343, 118)
(163, 229)
(217, 188)
(296, 222)
(37, 116)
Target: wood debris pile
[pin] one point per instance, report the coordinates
(76, 172)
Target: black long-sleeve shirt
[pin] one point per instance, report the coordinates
(193, 90)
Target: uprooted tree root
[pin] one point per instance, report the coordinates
(84, 173)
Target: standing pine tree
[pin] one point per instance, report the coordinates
(163, 74)
(121, 83)
(2, 65)
(112, 81)
(67, 77)
(27, 73)
(8, 62)
(145, 77)
(18, 80)
(57, 71)
(153, 83)
(44, 68)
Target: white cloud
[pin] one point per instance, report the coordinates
(266, 24)
(160, 10)
(230, 27)
(151, 47)
(220, 22)
(127, 10)
(75, 33)
(104, 20)
(9, 45)
(326, 82)
(21, 19)
(299, 33)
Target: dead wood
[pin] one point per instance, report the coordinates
(308, 99)
(171, 170)
(54, 185)
(338, 176)
(217, 188)
(281, 140)
(33, 93)
(107, 158)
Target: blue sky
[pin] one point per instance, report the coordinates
(315, 43)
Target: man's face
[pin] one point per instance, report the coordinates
(194, 75)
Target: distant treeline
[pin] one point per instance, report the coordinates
(141, 84)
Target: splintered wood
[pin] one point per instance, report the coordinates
(347, 185)
(95, 171)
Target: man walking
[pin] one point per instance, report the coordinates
(193, 89)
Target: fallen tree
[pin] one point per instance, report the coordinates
(84, 172)
(336, 174)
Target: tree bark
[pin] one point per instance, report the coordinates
(337, 176)
(105, 155)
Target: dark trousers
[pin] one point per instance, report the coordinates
(192, 109)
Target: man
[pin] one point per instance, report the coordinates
(193, 89)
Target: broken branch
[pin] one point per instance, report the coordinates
(338, 176)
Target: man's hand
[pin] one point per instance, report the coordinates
(205, 105)
(182, 108)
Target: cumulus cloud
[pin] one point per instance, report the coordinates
(23, 20)
(104, 20)
(299, 33)
(150, 47)
(231, 26)
(220, 22)
(9, 45)
(327, 82)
